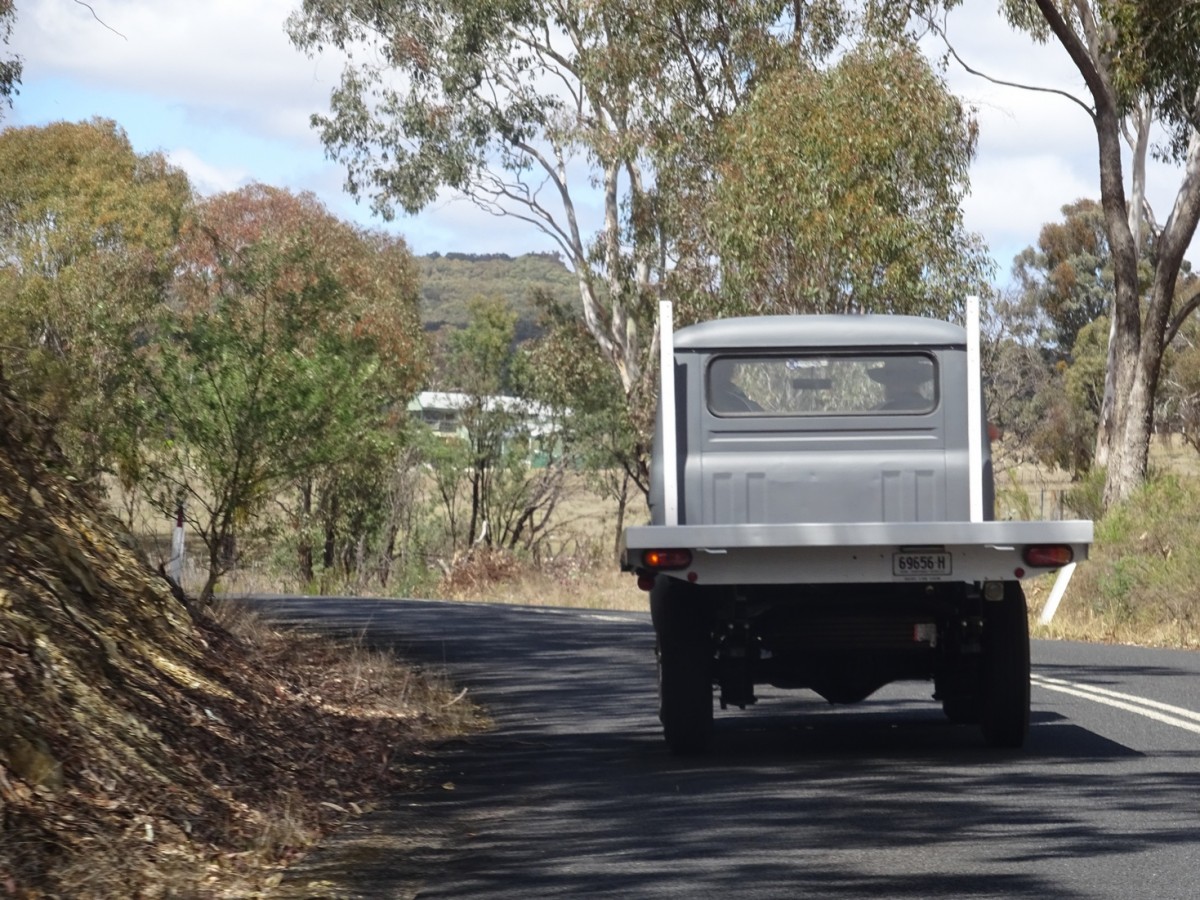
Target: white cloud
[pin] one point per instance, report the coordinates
(225, 59)
(205, 177)
(1013, 197)
(1037, 148)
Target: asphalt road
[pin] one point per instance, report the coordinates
(574, 794)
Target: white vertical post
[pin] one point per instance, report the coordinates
(975, 423)
(666, 399)
(1056, 593)
(176, 564)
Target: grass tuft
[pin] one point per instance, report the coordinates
(1139, 585)
(580, 582)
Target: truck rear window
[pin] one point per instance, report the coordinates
(822, 385)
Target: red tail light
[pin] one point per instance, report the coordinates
(663, 560)
(1048, 556)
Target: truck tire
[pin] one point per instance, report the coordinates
(685, 667)
(962, 709)
(1004, 675)
(685, 696)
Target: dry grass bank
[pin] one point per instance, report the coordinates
(497, 577)
(149, 748)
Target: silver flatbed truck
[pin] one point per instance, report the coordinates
(821, 517)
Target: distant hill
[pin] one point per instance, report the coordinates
(450, 280)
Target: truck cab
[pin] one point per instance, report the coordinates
(820, 419)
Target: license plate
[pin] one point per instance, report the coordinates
(922, 564)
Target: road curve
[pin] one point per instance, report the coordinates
(573, 793)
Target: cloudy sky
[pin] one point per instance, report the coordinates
(219, 89)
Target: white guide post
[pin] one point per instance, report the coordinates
(175, 566)
(666, 399)
(975, 424)
(1056, 593)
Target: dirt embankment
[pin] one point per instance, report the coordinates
(144, 749)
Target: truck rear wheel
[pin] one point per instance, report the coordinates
(962, 709)
(685, 667)
(685, 696)
(1004, 675)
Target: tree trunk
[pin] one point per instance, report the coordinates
(1106, 426)
(1138, 426)
(215, 540)
(476, 502)
(1126, 333)
(1127, 466)
(329, 556)
(622, 503)
(1136, 348)
(304, 552)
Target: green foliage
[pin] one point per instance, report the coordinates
(481, 353)
(605, 435)
(1068, 406)
(477, 97)
(87, 230)
(1086, 497)
(486, 464)
(481, 85)
(1015, 370)
(280, 363)
(817, 213)
(1155, 46)
(519, 104)
(501, 482)
(1089, 358)
(1177, 410)
(10, 67)
(403, 138)
(1068, 276)
(565, 370)
(1142, 572)
(367, 522)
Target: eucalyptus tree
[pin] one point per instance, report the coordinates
(529, 107)
(1140, 63)
(1067, 276)
(88, 229)
(541, 109)
(814, 211)
(290, 340)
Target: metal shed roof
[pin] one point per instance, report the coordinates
(820, 331)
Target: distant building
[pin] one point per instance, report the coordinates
(442, 412)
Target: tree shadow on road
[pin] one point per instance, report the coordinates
(574, 794)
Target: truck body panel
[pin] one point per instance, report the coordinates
(822, 517)
(842, 552)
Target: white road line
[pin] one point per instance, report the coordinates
(1046, 681)
(575, 613)
(1151, 709)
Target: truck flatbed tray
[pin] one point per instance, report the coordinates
(856, 552)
